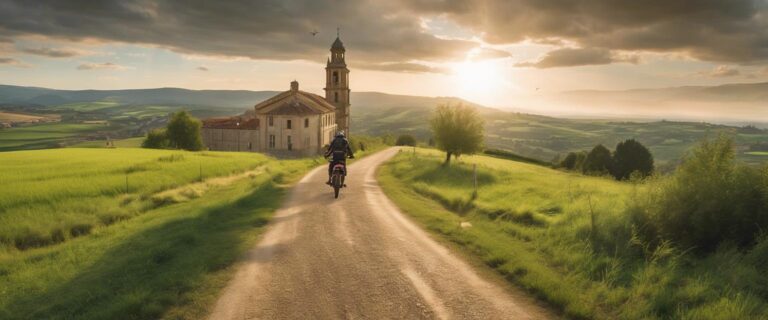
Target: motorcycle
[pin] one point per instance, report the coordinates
(338, 173)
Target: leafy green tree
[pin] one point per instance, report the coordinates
(598, 161)
(405, 140)
(457, 130)
(156, 139)
(184, 132)
(569, 162)
(631, 156)
(581, 157)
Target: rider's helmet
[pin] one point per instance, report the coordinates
(340, 134)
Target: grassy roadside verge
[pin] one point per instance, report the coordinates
(559, 235)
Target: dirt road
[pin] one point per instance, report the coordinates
(358, 257)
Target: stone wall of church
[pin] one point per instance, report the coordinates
(306, 136)
(231, 139)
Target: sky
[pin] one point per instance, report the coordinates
(494, 52)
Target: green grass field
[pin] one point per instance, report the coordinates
(567, 239)
(77, 244)
(120, 143)
(48, 135)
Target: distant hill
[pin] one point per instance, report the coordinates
(212, 98)
(741, 102)
(160, 96)
(744, 92)
(131, 113)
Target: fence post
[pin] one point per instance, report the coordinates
(474, 178)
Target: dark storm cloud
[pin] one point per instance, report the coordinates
(712, 30)
(571, 57)
(51, 52)
(389, 32)
(374, 31)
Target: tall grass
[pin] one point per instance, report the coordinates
(50, 196)
(571, 240)
(168, 262)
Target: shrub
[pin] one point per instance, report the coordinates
(405, 140)
(598, 161)
(156, 139)
(707, 201)
(631, 156)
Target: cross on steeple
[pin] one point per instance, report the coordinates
(337, 31)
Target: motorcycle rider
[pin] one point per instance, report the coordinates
(339, 149)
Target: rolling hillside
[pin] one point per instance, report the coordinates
(130, 113)
(571, 239)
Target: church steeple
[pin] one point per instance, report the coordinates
(337, 84)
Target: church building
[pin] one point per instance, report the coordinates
(292, 123)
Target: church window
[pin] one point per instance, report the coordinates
(306, 123)
(336, 77)
(288, 124)
(271, 141)
(335, 97)
(271, 121)
(250, 146)
(290, 145)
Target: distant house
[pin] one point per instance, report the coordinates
(292, 123)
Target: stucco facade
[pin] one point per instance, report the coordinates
(292, 123)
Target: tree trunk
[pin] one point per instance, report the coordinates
(447, 158)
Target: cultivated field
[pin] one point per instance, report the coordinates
(9, 117)
(569, 240)
(49, 135)
(86, 121)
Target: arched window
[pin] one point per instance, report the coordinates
(335, 97)
(306, 122)
(336, 77)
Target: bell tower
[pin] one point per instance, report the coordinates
(337, 84)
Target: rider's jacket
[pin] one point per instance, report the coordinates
(339, 149)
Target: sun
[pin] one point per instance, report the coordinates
(479, 79)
